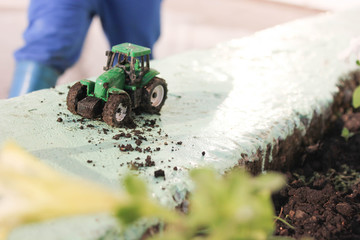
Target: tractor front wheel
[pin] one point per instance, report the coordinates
(154, 96)
(117, 110)
(76, 93)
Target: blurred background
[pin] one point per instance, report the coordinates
(186, 25)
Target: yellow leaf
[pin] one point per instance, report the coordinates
(30, 191)
(356, 98)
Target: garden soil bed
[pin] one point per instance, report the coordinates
(322, 198)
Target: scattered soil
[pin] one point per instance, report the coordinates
(322, 199)
(126, 148)
(127, 139)
(148, 162)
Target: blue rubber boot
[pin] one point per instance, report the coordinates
(30, 76)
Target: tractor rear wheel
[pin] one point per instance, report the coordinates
(76, 93)
(154, 96)
(117, 110)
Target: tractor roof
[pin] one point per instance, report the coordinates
(132, 50)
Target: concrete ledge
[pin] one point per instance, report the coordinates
(282, 155)
(253, 101)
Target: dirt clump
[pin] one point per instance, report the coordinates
(322, 199)
(148, 162)
(159, 173)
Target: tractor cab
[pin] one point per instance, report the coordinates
(133, 59)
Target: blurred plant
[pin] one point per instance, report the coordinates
(344, 178)
(345, 133)
(31, 192)
(139, 205)
(237, 206)
(356, 97)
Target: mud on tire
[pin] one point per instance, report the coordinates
(117, 110)
(154, 95)
(76, 93)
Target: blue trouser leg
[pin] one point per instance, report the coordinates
(53, 42)
(135, 21)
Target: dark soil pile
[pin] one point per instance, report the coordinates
(322, 199)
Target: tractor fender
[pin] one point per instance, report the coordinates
(148, 76)
(114, 90)
(90, 86)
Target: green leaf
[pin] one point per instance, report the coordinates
(270, 181)
(358, 62)
(345, 133)
(138, 204)
(135, 186)
(129, 214)
(356, 98)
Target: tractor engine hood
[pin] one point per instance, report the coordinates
(113, 78)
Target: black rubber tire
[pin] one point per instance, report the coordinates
(154, 95)
(76, 93)
(113, 113)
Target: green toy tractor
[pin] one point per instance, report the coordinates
(127, 83)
